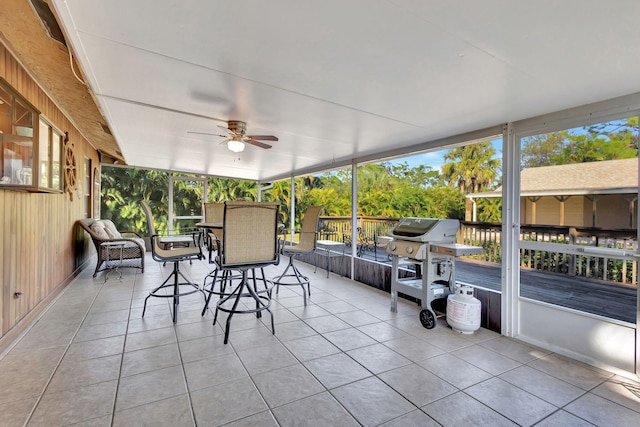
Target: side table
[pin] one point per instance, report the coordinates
(109, 263)
(328, 249)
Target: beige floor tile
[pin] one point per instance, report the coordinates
(150, 359)
(349, 339)
(622, 391)
(262, 419)
(312, 347)
(293, 330)
(309, 312)
(486, 360)
(152, 338)
(203, 348)
(602, 412)
(382, 331)
(318, 410)
(544, 386)
(460, 409)
(103, 330)
(231, 401)
(215, 370)
(324, 324)
(455, 371)
(573, 372)
(23, 382)
(521, 352)
(75, 373)
(415, 418)
(75, 405)
(174, 412)
(514, 403)
(266, 358)
(417, 385)
(17, 412)
(357, 318)
(287, 384)
(336, 370)
(97, 318)
(413, 349)
(280, 315)
(335, 307)
(149, 387)
(445, 339)
(563, 419)
(371, 401)
(377, 358)
(95, 348)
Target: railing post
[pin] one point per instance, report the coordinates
(572, 257)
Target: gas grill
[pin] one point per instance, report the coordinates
(429, 245)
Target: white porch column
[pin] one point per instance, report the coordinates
(510, 231)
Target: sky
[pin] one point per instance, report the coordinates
(435, 159)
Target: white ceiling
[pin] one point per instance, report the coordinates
(337, 80)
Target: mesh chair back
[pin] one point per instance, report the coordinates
(161, 254)
(156, 250)
(308, 232)
(149, 216)
(250, 234)
(213, 212)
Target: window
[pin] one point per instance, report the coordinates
(50, 142)
(31, 147)
(87, 187)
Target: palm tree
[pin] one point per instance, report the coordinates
(471, 168)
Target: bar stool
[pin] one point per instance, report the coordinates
(291, 276)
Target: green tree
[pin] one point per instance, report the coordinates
(471, 168)
(123, 188)
(612, 140)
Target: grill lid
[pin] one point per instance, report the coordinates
(426, 230)
(414, 227)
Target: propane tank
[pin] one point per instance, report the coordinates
(463, 310)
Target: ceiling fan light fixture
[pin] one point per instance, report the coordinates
(235, 146)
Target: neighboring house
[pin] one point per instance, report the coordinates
(596, 194)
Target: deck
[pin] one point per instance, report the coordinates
(593, 296)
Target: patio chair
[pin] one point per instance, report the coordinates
(250, 243)
(174, 255)
(291, 276)
(213, 212)
(127, 246)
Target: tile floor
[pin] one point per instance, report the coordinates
(344, 360)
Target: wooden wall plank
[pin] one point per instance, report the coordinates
(37, 253)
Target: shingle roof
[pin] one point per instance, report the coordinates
(609, 176)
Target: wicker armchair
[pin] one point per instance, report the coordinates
(104, 234)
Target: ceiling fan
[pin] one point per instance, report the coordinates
(236, 138)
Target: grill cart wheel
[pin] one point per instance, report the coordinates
(427, 319)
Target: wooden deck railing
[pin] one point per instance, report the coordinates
(576, 251)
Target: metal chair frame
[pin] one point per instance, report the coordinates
(250, 243)
(292, 276)
(170, 255)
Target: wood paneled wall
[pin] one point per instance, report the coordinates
(38, 246)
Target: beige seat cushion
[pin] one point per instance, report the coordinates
(99, 230)
(111, 229)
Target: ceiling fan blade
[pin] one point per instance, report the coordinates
(227, 131)
(257, 143)
(209, 134)
(263, 137)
